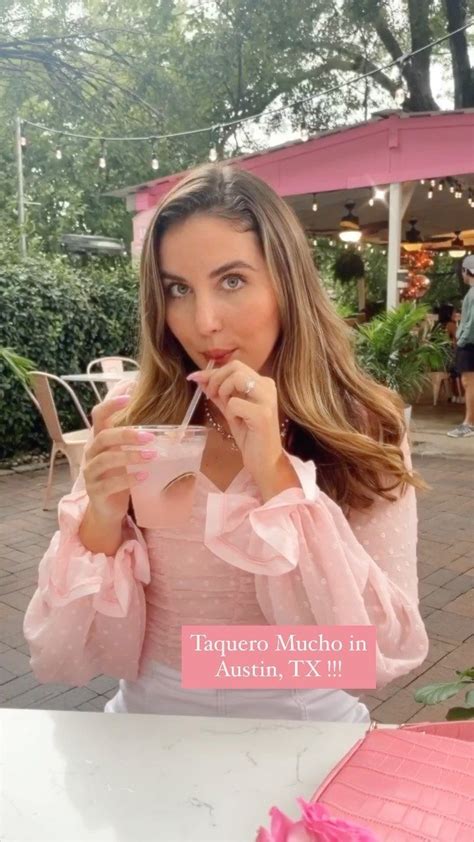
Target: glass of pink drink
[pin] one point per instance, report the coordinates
(165, 498)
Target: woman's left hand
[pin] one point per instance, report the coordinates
(249, 403)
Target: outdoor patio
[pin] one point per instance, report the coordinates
(446, 569)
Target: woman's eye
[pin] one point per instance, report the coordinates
(177, 290)
(234, 282)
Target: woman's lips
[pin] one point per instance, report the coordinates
(219, 357)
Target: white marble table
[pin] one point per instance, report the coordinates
(72, 777)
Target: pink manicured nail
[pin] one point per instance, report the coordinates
(144, 437)
(148, 454)
(196, 376)
(141, 476)
(122, 400)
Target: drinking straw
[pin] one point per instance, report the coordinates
(192, 406)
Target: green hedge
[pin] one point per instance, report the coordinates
(60, 317)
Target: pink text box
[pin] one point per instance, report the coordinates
(288, 657)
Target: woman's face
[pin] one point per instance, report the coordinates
(220, 302)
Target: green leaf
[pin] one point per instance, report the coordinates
(469, 673)
(454, 714)
(469, 699)
(434, 693)
(396, 350)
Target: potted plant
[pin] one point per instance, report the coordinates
(20, 366)
(399, 349)
(349, 266)
(431, 694)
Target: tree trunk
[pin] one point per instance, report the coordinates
(416, 71)
(463, 73)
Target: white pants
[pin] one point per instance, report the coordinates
(158, 690)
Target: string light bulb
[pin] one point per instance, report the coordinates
(452, 188)
(440, 186)
(103, 156)
(213, 153)
(304, 134)
(430, 194)
(433, 182)
(59, 153)
(23, 140)
(155, 164)
(315, 204)
(378, 195)
(399, 95)
(422, 180)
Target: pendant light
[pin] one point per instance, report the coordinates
(413, 239)
(457, 246)
(349, 223)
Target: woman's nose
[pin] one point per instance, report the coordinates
(207, 316)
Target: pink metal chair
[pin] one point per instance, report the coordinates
(71, 444)
(110, 364)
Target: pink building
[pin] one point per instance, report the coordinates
(393, 151)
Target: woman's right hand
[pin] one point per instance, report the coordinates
(105, 473)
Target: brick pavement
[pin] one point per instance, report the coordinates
(446, 569)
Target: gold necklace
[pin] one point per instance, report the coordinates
(228, 436)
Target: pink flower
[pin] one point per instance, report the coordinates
(315, 825)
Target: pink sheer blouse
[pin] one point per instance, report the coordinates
(295, 559)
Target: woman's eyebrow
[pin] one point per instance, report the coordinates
(226, 267)
(233, 264)
(169, 276)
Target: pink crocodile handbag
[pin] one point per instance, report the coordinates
(410, 783)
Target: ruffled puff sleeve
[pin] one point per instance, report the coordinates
(315, 566)
(88, 613)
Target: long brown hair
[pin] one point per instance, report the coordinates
(349, 425)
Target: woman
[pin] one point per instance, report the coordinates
(448, 323)
(227, 275)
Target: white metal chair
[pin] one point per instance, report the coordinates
(71, 444)
(110, 364)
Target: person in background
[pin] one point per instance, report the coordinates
(448, 320)
(464, 363)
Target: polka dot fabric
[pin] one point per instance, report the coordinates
(295, 559)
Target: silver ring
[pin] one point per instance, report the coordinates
(249, 387)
